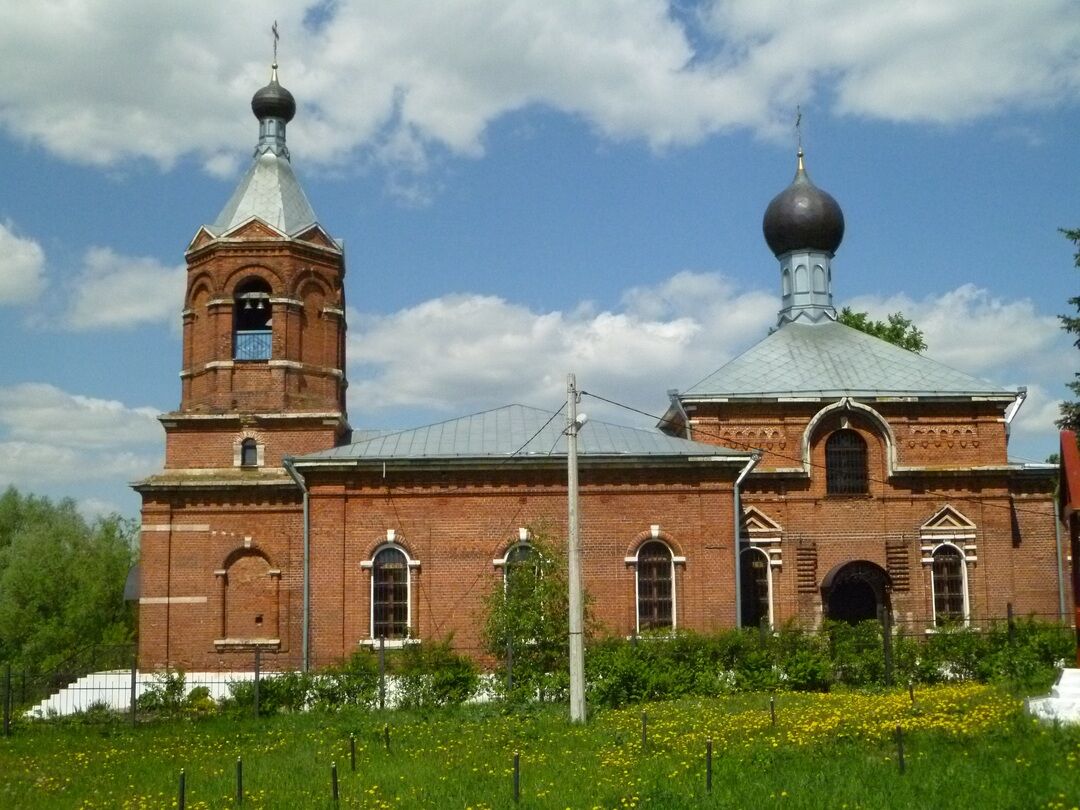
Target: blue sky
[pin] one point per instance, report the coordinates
(525, 189)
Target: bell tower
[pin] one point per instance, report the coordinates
(263, 373)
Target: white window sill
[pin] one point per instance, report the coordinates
(391, 643)
(271, 643)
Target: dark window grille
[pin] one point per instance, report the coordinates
(390, 585)
(249, 453)
(845, 463)
(754, 587)
(948, 585)
(655, 586)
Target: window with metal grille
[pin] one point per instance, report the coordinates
(754, 588)
(655, 587)
(845, 463)
(948, 576)
(249, 453)
(390, 594)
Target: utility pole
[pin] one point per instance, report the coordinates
(577, 642)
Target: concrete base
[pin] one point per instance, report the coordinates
(1063, 703)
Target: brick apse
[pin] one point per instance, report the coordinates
(864, 477)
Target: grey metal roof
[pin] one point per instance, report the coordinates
(516, 430)
(831, 359)
(269, 191)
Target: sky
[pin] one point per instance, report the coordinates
(525, 189)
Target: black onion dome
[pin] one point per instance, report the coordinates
(273, 101)
(803, 217)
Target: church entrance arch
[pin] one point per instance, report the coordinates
(855, 592)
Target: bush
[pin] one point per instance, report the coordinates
(166, 695)
(352, 683)
(432, 674)
(284, 691)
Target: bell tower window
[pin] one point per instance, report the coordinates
(252, 320)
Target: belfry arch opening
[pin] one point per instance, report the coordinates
(252, 321)
(855, 592)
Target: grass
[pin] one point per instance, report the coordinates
(966, 745)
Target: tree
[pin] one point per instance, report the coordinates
(1070, 409)
(897, 329)
(529, 615)
(61, 580)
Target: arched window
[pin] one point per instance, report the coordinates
(249, 453)
(520, 557)
(655, 587)
(252, 333)
(390, 602)
(755, 594)
(845, 463)
(785, 282)
(949, 578)
(801, 284)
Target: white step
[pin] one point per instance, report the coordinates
(113, 688)
(1063, 702)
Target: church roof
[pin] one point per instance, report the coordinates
(269, 191)
(517, 431)
(831, 360)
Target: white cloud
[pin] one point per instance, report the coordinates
(22, 267)
(49, 436)
(1040, 409)
(470, 351)
(29, 466)
(461, 353)
(969, 329)
(396, 78)
(39, 414)
(115, 291)
(93, 508)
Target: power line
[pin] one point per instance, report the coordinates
(468, 590)
(727, 440)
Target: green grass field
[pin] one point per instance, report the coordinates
(965, 746)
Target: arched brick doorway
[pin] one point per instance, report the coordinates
(855, 591)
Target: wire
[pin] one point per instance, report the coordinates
(727, 440)
(501, 534)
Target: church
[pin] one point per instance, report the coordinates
(822, 474)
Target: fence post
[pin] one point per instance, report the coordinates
(1012, 623)
(509, 665)
(517, 777)
(258, 675)
(886, 643)
(134, 686)
(7, 701)
(382, 672)
(708, 765)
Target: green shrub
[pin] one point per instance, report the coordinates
(857, 652)
(166, 695)
(284, 691)
(432, 674)
(352, 683)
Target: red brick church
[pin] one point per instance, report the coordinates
(822, 473)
